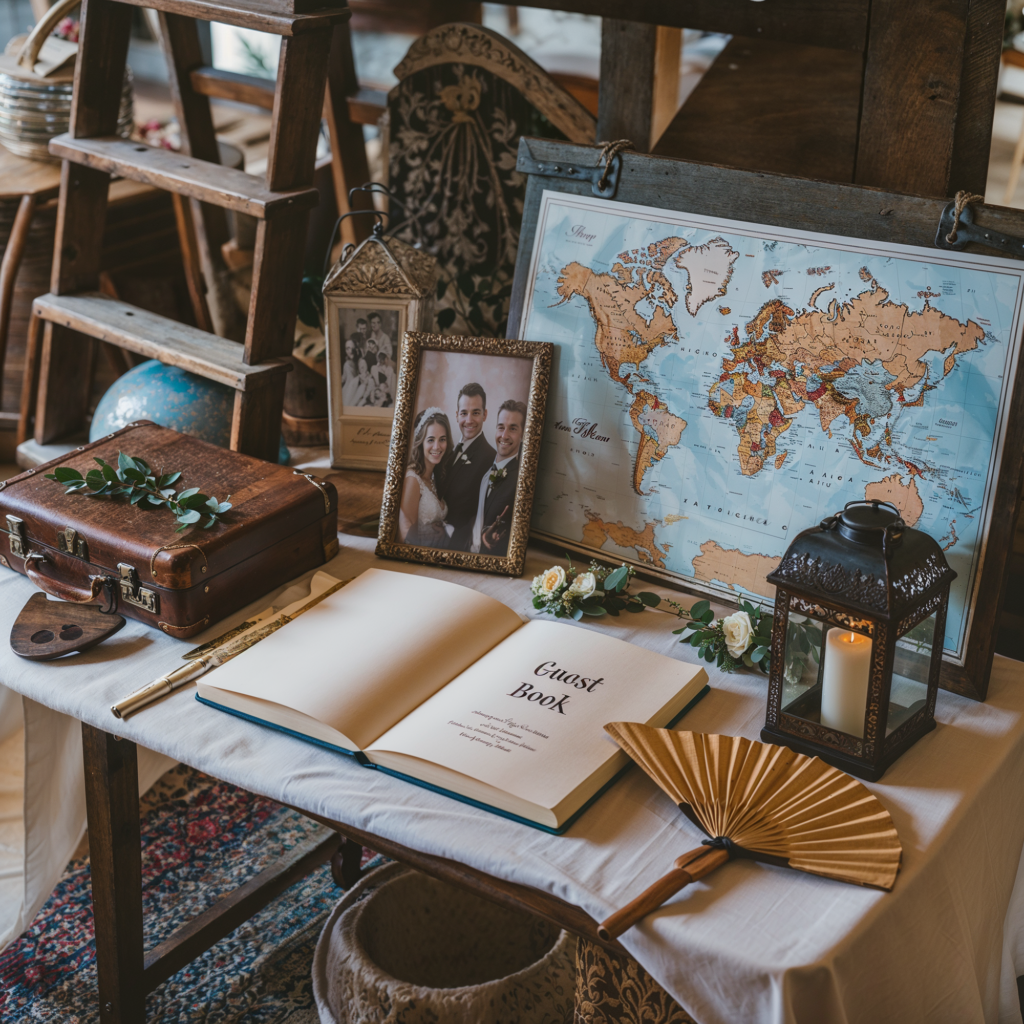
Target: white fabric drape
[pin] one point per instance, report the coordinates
(749, 943)
(50, 805)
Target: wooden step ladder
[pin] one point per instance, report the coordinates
(314, 37)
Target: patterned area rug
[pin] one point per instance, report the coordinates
(200, 839)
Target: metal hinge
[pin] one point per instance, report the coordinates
(575, 172)
(16, 532)
(132, 592)
(968, 231)
(70, 543)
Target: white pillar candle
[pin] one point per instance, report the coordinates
(844, 681)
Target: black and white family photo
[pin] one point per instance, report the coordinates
(370, 342)
(464, 456)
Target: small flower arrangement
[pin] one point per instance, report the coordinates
(743, 638)
(596, 591)
(496, 474)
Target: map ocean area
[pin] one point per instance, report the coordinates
(721, 386)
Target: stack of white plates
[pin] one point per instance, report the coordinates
(33, 112)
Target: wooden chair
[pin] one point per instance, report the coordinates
(464, 97)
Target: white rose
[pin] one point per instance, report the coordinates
(551, 581)
(738, 631)
(584, 585)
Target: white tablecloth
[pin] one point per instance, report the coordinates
(749, 943)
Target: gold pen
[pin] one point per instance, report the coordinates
(224, 652)
(165, 684)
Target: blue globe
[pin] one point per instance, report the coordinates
(171, 397)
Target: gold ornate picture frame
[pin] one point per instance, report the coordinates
(469, 419)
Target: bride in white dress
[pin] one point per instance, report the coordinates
(422, 514)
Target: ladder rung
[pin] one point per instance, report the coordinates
(364, 106)
(211, 183)
(282, 17)
(135, 329)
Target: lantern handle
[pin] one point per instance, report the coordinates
(371, 187)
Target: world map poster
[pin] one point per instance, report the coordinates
(720, 386)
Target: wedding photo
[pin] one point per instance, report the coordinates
(369, 342)
(463, 458)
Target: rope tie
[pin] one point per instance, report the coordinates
(609, 151)
(959, 202)
(722, 843)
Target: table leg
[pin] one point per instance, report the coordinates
(115, 852)
(346, 864)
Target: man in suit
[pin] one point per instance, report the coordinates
(472, 458)
(498, 487)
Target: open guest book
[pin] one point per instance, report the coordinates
(448, 688)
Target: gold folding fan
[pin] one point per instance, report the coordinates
(758, 801)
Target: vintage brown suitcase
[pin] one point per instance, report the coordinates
(105, 550)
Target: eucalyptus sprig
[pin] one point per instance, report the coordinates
(573, 593)
(743, 638)
(135, 480)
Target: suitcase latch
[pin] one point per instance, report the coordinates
(16, 533)
(70, 543)
(132, 592)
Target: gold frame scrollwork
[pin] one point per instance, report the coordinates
(415, 343)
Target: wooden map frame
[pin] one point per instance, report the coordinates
(828, 207)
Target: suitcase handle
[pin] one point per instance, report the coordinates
(68, 591)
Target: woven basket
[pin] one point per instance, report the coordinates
(404, 948)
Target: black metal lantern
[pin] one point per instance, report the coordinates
(860, 616)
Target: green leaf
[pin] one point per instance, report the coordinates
(613, 612)
(758, 653)
(596, 610)
(135, 475)
(167, 479)
(698, 610)
(614, 604)
(707, 617)
(538, 601)
(136, 498)
(64, 475)
(154, 502)
(188, 493)
(445, 319)
(212, 504)
(94, 478)
(709, 655)
(649, 599)
(143, 465)
(635, 606)
(615, 577)
(189, 517)
(577, 614)
(678, 631)
(125, 462)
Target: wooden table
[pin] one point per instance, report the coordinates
(126, 973)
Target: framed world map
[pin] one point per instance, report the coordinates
(720, 386)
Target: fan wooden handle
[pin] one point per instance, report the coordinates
(688, 868)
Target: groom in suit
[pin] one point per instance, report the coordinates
(471, 460)
(498, 487)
